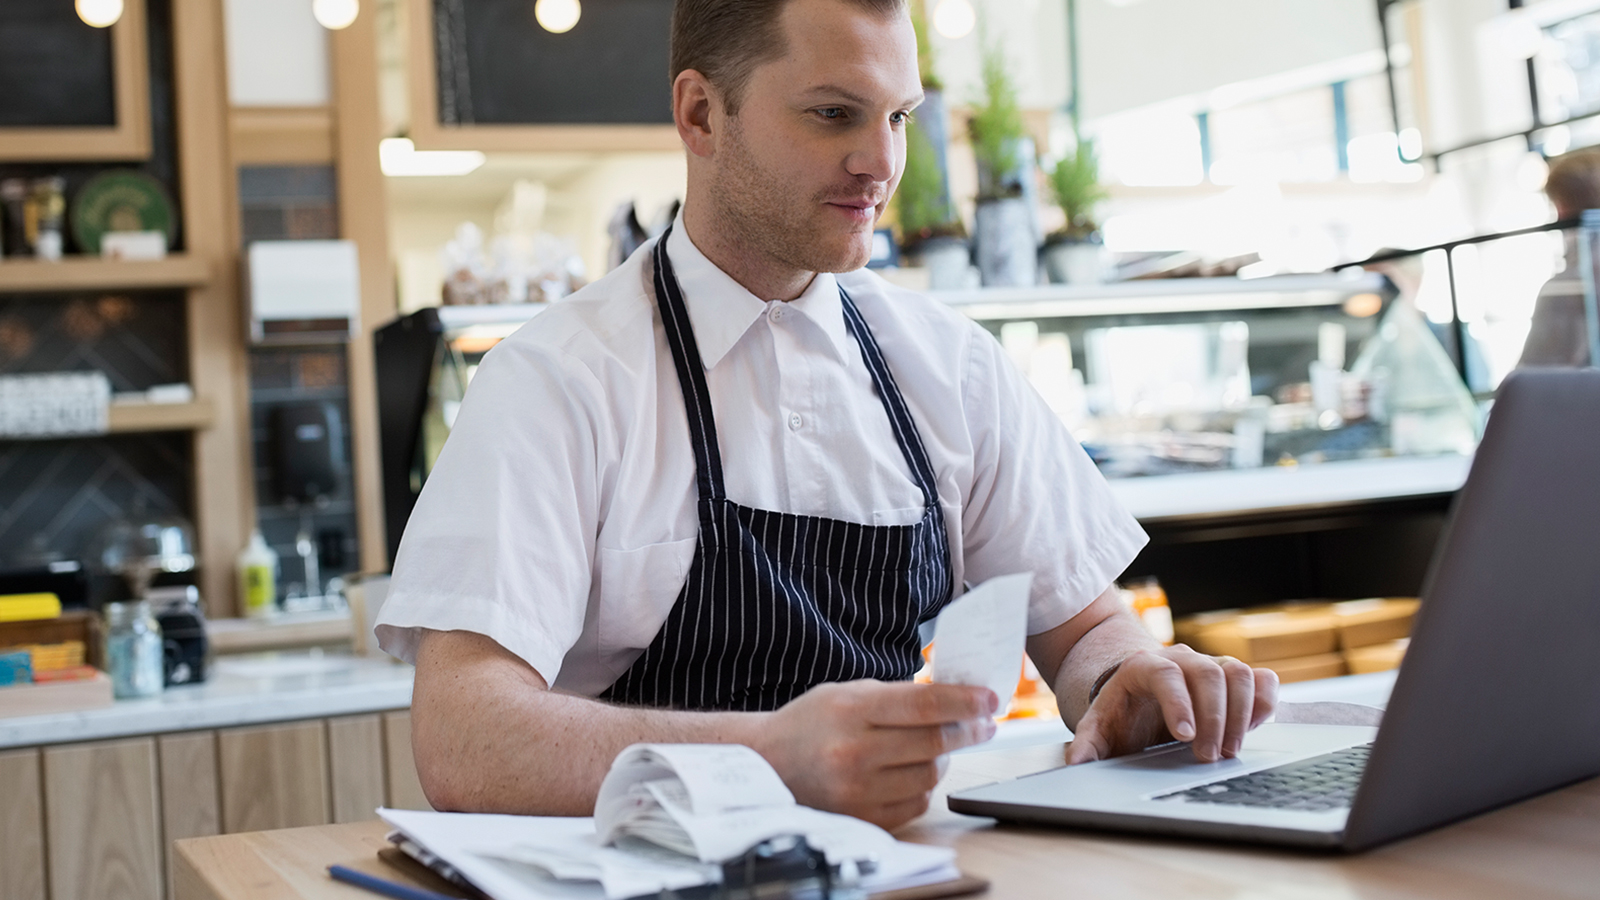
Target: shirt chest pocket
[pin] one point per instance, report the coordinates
(637, 590)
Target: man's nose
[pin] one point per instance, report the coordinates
(874, 156)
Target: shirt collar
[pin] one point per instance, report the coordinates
(721, 310)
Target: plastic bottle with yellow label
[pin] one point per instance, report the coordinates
(258, 578)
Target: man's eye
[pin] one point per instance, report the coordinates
(831, 112)
(901, 118)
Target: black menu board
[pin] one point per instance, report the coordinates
(55, 71)
(497, 66)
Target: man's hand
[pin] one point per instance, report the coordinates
(1175, 693)
(871, 749)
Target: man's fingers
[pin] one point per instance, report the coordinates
(1266, 696)
(906, 745)
(1088, 741)
(896, 814)
(1208, 691)
(927, 704)
(899, 783)
(1160, 677)
(1241, 681)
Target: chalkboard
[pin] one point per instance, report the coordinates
(54, 70)
(497, 66)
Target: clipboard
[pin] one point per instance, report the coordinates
(399, 859)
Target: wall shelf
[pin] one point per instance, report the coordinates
(127, 418)
(19, 276)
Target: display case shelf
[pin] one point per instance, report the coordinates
(1161, 296)
(128, 418)
(19, 276)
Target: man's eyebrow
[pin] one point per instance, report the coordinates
(834, 90)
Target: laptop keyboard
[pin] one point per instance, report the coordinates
(1317, 784)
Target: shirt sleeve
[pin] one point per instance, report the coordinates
(502, 539)
(1037, 502)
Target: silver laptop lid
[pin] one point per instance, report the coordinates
(1499, 695)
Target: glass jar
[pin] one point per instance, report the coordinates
(134, 654)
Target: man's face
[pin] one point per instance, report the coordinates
(805, 169)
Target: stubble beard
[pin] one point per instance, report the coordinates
(761, 217)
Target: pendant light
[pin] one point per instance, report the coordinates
(335, 14)
(99, 13)
(954, 18)
(557, 16)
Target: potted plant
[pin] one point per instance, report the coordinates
(1007, 240)
(1074, 254)
(930, 228)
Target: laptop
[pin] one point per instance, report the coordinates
(1498, 698)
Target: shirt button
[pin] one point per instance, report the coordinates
(795, 421)
(777, 314)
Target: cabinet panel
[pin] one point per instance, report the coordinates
(273, 777)
(405, 790)
(103, 826)
(190, 806)
(355, 759)
(21, 827)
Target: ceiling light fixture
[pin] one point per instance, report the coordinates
(400, 158)
(335, 14)
(954, 18)
(557, 16)
(99, 13)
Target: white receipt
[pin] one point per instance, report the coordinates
(979, 638)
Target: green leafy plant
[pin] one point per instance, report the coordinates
(997, 129)
(925, 66)
(1075, 184)
(920, 201)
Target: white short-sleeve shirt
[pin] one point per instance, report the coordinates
(560, 517)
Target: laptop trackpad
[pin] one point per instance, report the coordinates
(1181, 757)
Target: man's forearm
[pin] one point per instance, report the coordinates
(489, 736)
(1113, 639)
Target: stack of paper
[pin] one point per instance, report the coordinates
(667, 816)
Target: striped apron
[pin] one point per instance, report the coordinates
(777, 603)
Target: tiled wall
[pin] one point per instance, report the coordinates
(297, 203)
(58, 497)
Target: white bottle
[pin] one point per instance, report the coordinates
(258, 578)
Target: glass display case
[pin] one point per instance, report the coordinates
(1198, 396)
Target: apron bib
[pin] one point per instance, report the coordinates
(774, 603)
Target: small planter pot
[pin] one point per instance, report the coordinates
(948, 260)
(1076, 262)
(1008, 253)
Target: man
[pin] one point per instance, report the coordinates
(711, 497)
(1559, 333)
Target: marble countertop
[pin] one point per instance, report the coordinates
(280, 687)
(240, 690)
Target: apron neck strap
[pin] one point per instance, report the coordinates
(691, 374)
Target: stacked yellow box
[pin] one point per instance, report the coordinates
(47, 654)
(1374, 634)
(1306, 640)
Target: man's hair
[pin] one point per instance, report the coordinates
(1573, 184)
(725, 40)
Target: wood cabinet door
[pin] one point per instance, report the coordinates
(190, 805)
(274, 776)
(405, 790)
(355, 760)
(103, 824)
(21, 826)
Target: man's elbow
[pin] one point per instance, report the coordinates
(443, 782)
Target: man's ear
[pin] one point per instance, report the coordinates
(694, 99)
